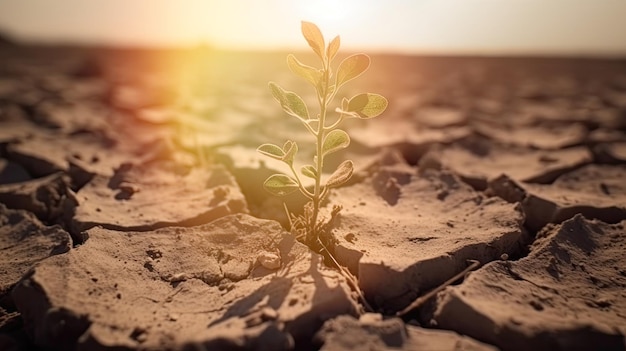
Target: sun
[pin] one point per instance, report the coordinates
(329, 14)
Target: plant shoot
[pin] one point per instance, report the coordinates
(324, 129)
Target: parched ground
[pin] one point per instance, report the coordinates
(132, 214)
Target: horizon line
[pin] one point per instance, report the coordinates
(380, 50)
(460, 52)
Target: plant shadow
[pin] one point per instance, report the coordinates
(288, 289)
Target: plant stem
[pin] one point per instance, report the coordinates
(322, 97)
(303, 190)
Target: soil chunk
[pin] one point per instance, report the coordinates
(177, 287)
(567, 294)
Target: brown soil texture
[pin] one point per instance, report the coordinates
(132, 213)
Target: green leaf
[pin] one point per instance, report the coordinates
(290, 101)
(310, 74)
(314, 37)
(291, 149)
(344, 109)
(271, 150)
(367, 105)
(333, 48)
(341, 175)
(309, 171)
(280, 184)
(352, 67)
(335, 140)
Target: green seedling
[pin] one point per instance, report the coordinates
(323, 128)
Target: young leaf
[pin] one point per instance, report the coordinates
(271, 150)
(335, 140)
(280, 184)
(291, 149)
(314, 37)
(344, 109)
(367, 105)
(290, 101)
(309, 171)
(310, 74)
(333, 47)
(351, 67)
(341, 175)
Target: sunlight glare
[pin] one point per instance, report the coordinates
(332, 15)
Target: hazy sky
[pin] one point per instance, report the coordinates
(471, 26)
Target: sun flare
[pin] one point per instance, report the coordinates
(328, 14)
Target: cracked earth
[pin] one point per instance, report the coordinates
(133, 216)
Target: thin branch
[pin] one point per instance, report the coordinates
(308, 127)
(288, 216)
(324, 193)
(349, 277)
(336, 124)
(302, 188)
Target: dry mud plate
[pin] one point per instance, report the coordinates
(572, 284)
(409, 233)
(132, 213)
(218, 285)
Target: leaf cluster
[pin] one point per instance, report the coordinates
(328, 137)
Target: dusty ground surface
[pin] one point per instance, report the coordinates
(133, 218)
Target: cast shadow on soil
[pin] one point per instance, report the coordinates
(274, 293)
(271, 295)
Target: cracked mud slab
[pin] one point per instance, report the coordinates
(406, 233)
(31, 126)
(88, 152)
(49, 198)
(24, 241)
(569, 293)
(147, 197)
(596, 191)
(440, 117)
(174, 288)
(371, 332)
(478, 161)
(611, 153)
(380, 133)
(539, 137)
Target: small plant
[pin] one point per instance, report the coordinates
(327, 136)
